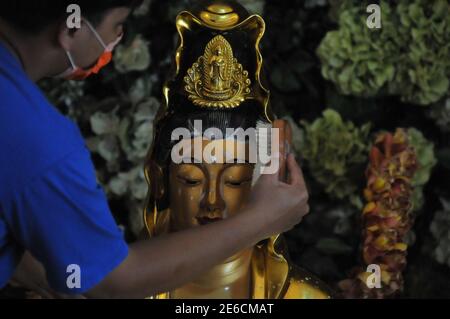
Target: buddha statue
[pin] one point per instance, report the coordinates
(217, 83)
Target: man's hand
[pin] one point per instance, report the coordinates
(276, 206)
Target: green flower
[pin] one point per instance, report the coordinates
(336, 152)
(425, 27)
(352, 56)
(408, 56)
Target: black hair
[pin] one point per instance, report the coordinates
(32, 16)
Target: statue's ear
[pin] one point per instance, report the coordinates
(156, 189)
(155, 177)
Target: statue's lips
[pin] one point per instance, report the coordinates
(208, 220)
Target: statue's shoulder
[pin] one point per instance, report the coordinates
(304, 285)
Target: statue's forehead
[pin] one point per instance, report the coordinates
(203, 150)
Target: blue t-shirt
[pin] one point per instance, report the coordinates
(50, 201)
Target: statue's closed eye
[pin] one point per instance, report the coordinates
(189, 181)
(237, 183)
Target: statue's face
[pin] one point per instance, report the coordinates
(202, 193)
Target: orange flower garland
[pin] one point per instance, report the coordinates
(386, 218)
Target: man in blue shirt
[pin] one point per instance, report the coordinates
(53, 214)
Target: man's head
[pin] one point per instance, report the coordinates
(46, 20)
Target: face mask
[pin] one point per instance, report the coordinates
(76, 73)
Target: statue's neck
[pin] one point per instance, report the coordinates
(231, 270)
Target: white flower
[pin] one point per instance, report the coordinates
(142, 88)
(108, 148)
(136, 134)
(118, 185)
(135, 210)
(135, 57)
(105, 123)
(440, 228)
(143, 9)
(132, 182)
(138, 185)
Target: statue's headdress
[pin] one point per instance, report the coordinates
(218, 63)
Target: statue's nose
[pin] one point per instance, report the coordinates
(213, 204)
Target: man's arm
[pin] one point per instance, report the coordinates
(165, 263)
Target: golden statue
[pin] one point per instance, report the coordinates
(217, 79)
(210, 85)
(218, 75)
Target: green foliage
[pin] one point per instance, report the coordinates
(408, 56)
(334, 149)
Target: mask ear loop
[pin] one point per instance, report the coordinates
(71, 60)
(97, 36)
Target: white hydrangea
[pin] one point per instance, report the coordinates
(132, 182)
(142, 88)
(440, 228)
(134, 57)
(105, 123)
(136, 132)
